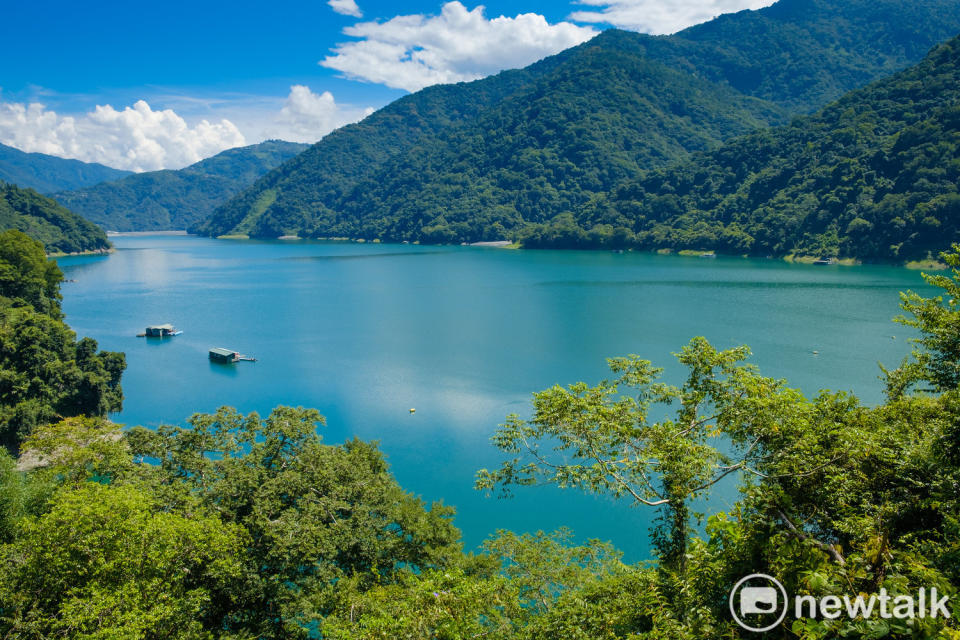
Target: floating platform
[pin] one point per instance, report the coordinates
(228, 356)
(160, 331)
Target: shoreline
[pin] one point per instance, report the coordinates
(92, 252)
(114, 234)
(929, 264)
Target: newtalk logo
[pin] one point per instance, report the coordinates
(759, 603)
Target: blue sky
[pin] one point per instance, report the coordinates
(160, 85)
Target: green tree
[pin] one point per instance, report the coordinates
(46, 374)
(26, 275)
(938, 358)
(607, 442)
(315, 514)
(106, 562)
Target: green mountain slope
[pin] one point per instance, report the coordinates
(875, 175)
(164, 200)
(475, 161)
(49, 173)
(60, 230)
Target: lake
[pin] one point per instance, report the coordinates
(364, 332)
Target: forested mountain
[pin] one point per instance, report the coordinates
(165, 200)
(476, 161)
(875, 175)
(58, 229)
(49, 173)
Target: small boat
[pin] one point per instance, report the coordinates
(228, 356)
(708, 254)
(160, 331)
(823, 261)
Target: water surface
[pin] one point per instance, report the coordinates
(464, 335)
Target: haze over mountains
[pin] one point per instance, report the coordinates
(168, 199)
(47, 173)
(483, 160)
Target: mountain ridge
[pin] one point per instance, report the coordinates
(46, 173)
(175, 199)
(413, 172)
(874, 175)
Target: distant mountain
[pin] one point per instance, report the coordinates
(41, 218)
(165, 200)
(875, 175)
(478, 161)
(50, 173)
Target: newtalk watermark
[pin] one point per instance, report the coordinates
(759, 603)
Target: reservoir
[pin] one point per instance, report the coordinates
(465, 335)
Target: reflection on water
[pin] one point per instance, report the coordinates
(464, 335)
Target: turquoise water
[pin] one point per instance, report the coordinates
(464, 335)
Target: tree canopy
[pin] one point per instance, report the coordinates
(46, 374)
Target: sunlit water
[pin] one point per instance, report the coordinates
(464, 335)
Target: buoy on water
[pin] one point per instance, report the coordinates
(413, 410)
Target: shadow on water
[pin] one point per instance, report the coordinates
(158, 342)
(228, 370)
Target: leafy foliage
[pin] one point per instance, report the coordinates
(60, 230)
(145, 572)
(315, 514)
(939, 360)
(47, 173)
(174, 200)
(46, 374)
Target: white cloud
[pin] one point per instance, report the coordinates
(346, 7)
(414, 51)
(307, 116)
(136, 138)
(657, 16)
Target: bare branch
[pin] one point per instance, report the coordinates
(830, 549)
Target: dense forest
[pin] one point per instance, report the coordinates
(875, 175)
(241, 526)
(41, 218)
(174, 200)
(47, 173)
(46, 374)
(481, 160)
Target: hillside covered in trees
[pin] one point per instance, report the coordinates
(480, 160)
(41, 218)
(176, 199)
(875, 175)
(47, 173)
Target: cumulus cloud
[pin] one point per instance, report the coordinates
(656, 16)
(307, 116)
(414, 51)
(135, 138)
(346, 7)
